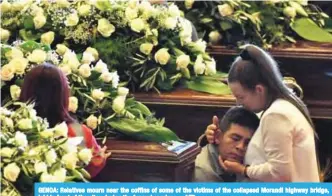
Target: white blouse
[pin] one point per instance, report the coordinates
(283, 147)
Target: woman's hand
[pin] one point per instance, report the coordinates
(101, 156)
(212, 131)
(232, 166)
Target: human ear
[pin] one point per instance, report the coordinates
(260, 89)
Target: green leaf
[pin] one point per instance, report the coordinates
(206, 20)
(208, 86)
(301, 27)
(143, 108)
(164, 85)
(94, 75)
(225, 25)
(28, 35)
(28, 23)
(141, 130)
(29, 46)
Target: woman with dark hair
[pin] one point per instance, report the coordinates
(283, 147)
(48, 88)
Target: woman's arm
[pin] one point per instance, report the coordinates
(98, 160)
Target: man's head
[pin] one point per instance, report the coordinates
(237, 127)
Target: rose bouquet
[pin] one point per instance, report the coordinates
(31, 151)
(264, 23)
(96, 97)
(150, 46)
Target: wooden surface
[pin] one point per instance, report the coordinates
(134, 161)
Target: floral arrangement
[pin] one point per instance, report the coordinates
(149, 45)
(265, 23)
(96, 97)
(31, 151)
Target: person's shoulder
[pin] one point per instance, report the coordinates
(282, 107)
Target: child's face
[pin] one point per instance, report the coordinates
(233, 142)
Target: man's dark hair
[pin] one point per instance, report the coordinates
(240, 116)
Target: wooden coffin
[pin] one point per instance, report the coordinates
(188, 112)
(134, 161)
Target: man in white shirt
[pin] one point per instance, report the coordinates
(237, 127)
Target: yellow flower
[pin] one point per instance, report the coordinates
(105, 28)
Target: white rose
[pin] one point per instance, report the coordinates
(131, 13)
(225, 9)
(72, 20)
(93, 51)
(5, 7)
(200, 45)
(162, 56)
(84, 70)
(146, 48)
(211, 67)
(35, 10)
(37, 56)
(147, 9)
(25, 124)
(84, 10)
(11, 172)
(92, 121)
(170, 23)
(199, 66)
(60, 175)
(21, 139)
(5, 34)
(97, 94)
(65, 69)
(182, 61)
(87, 58)
(106, 76)
(69, 147)
(47, 38)
(214, 37)
(19, 64)
(61, 130)
(15, 92)
(123, 91)
(62, 3)
(51, 157)
(118, 104)
(40, 167)
(7, 152)
(115, 79)
(132, 3)
(39, 21)
(14, 53)
(73, 104)
(289, 12)
(189, 3)
(45, 177)
(61, 49)
(105, 28)
(174, 10)
(101, 67)
(137, 25)
(18, 6)
(8, 122)
(85, 155)
(70, 59)
(7, 72)
(48, 133)
(186, 31)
